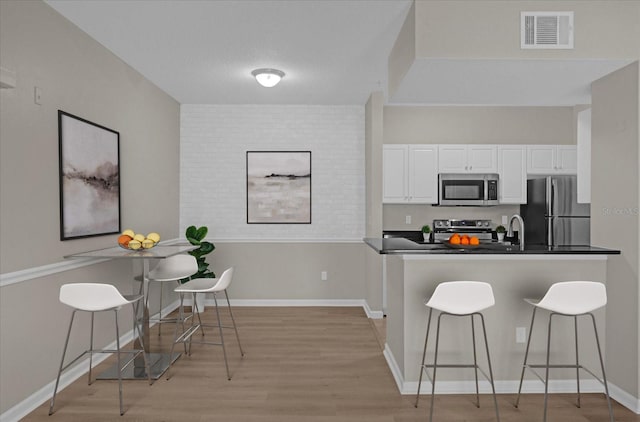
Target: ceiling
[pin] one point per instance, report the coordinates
(332, 52)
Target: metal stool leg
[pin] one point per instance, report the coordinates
(604, 375)
(91, 349)
(475, 360)
(493, 387)
(235, 327)
(175, 335)
(119, 362)
(64, 352)
(546, 376)
(526, 355)
(224, 349)
(435, 367)
(424, 354)
(575, 329)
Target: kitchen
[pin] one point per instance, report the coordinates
(157, 127)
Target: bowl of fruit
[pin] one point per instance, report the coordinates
(463, 241)
(133, 241)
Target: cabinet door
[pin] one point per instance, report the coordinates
(541, 159)
(566, 159)
(394, 173)
(482, 159)
(452, 159)
(423, 174)
(512, 167)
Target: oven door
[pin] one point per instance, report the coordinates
(462, 190)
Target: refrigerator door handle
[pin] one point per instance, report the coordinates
(550, 239)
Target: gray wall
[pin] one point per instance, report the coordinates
(79, 76)
(614, 214)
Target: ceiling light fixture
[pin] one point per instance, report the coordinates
(268, 77)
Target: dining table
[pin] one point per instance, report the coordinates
(159, 362)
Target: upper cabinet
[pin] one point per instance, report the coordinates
(467, 159)
(512, 168)
(552, 159)
(410, 174)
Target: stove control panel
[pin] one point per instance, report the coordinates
(451, 224)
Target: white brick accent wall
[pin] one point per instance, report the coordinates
(213, 145)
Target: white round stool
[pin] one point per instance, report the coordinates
(458, 298)
(171, 269)
(95, 297)
(572, 299)
(200, 286)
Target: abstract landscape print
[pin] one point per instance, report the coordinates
(89, 178)
(279, 187)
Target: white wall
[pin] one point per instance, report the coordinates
(214, 141)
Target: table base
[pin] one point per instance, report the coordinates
(159, 363)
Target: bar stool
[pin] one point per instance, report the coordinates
(171, 269)
(458, 298)
(205, 285)
(571, 299)
(94, 297)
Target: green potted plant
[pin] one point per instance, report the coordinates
(195, 236)
(426, 233)
(500, 230)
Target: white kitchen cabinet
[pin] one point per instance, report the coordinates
(552, 159)
(467, 159)
(410, 174)
(512, 168)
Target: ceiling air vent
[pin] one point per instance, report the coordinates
(546, 30)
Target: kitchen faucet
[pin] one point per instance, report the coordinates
(521, 233)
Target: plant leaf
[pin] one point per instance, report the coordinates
(191, 232)
(201, 232)
(193, 241)
(206, 247)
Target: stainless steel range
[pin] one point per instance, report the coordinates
(443, 229)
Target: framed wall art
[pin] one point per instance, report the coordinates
(89, 163)
(279, 187)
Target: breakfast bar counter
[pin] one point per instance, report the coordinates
(400, 246)
(411, 272)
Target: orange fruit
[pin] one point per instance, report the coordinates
(474, 241)
(464, 240)
(124, 240)
(455, 239)
(464, 236)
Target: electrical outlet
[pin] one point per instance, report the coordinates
(505, 219)
(323, 276)
(37, 95)
(521, 334)
(407, 219)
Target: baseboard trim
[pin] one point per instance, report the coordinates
(507, 386)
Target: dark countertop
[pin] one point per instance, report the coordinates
(400, 246)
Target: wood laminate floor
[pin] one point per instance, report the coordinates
(301, 364)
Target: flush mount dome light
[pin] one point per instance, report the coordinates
(268, 77)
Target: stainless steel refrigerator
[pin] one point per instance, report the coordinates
(552, 215)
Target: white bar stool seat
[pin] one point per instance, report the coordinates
(171, 269)
(202, 286)
(571, 299)
(96, 297)
(458, 298)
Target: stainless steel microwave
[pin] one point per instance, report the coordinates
(468, 189)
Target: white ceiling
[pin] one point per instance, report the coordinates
(332, 51)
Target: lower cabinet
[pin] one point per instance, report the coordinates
(410, 174)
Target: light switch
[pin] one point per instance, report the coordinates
(407, 219)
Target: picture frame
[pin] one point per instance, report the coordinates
(89, 178)
(278, 187)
